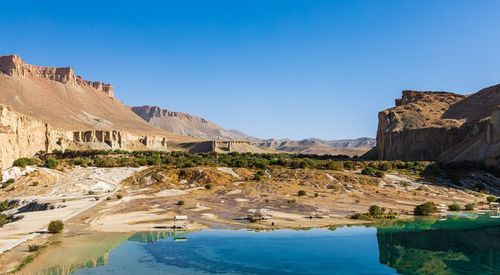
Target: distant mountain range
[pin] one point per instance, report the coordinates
(349, 147)
(197, 127)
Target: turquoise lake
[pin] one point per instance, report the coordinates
(457, 245)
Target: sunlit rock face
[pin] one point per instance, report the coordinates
(441, 126)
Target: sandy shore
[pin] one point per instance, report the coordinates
(70, 198)
(149, 204)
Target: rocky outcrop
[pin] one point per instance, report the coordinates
(441, 126)
(13, 65)
(185, 124)
(25, 136)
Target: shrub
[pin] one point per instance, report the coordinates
(454, 207)
(3, 219)
(375, 211)
(51, 163)
(119, 196)
(34, 247)
(23, 162)
(209, 186)
(301, 193)
(28, 259)
(9, 181)
(180, 203)
(426, 209)
(316, 195)
(491, 199)
(4, 205)
(470, 206)
(56, 226)
(372, 172)
(258, 176)
(360, 216)
(348, 165)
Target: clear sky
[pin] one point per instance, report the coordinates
(287, 68)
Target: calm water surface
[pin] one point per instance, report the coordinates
(458, 245)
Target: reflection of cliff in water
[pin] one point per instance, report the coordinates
(458, 246)
(151, 237)
(70, 253)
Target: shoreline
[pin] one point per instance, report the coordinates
(138, 202)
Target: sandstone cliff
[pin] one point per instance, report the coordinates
(65, 100)
(46, 108)
(441, 126)
(25, 136)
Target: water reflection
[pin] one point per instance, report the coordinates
(74, 252)
(151, 237)
(457, 245)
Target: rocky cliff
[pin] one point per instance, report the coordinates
(185, 124)
(441, 126)
(46, 108)
(13, 65)
(25, 136)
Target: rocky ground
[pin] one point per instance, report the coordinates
(148, 199)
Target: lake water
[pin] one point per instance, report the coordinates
(458, 245)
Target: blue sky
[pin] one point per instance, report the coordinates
(287, 68)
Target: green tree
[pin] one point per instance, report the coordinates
(56, 226)
(376, 211)
(426, 209)
(491, 199)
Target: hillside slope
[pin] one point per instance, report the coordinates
(46, 108)
(65, 100)
(349, 147)
(193, 126)
(184, 124)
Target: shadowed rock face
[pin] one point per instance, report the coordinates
(441, 126)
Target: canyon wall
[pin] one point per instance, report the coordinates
(441, 126)
(25, 136)
(13, 65)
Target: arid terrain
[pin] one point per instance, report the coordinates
(125, 199)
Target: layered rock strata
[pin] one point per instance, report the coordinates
(13, 65)
(25, 136)
(441, 126)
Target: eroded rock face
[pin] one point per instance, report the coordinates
(184, 124)
(25, 136)
(13, 65)
(441, 126)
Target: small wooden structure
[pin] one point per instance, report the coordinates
(181, 221)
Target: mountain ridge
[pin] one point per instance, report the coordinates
(198, 127)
